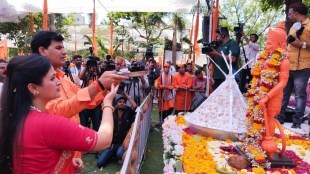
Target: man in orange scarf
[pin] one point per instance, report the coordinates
(165, 86)
(182, 83)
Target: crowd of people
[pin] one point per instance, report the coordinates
(52, 111)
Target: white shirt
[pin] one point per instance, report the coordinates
(251, 50)
(75, 70)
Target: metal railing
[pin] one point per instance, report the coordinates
(138, 139)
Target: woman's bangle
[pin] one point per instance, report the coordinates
(100, 84)
(97, 86)
(107, 106)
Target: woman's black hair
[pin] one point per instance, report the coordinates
(16, 100)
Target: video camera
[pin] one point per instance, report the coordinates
(92, 60)
(238, 31)
(149, 52)
(136, 66)
(109, 64)
(208, 47)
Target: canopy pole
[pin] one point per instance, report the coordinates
(94, 29)
(215, 19)
(45, 15)
(31, 23)
(111, 35)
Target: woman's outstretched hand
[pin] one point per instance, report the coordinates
(110, 96)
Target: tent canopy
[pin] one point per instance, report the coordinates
(10, 10)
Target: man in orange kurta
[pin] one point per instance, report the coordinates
(182, 84)
(72, 99)
(165, 85)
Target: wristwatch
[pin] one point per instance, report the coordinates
(304, 45)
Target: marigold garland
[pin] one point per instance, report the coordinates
(265, 76)
(204, 154)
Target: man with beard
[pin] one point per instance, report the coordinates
(226, 46)
(182, 83)
(299, 51)
(123, 117)
(165, 100)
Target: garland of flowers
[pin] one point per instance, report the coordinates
(205, 154)
(265, 76)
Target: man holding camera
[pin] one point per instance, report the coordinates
(250, 52)
(226, 45)
(299, 57)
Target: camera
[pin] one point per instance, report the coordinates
(109, 64)
(208, 47)
(92, 60)
(149, 52)
(136, 66)
(238, 31)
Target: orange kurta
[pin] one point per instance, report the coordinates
(181, 94)
(72, 100)
(167, 103)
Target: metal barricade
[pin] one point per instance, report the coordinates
(138, 140)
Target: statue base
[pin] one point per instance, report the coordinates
(278, 160)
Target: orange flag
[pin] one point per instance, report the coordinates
(94, 31)
(4, 54)
(215, 19)
(45, 15)
(196, 46)
(111, 36)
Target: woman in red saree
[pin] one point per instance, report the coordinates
(31, 140)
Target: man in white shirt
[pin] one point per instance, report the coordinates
(250, 53)
(77, 69)
(251, 48)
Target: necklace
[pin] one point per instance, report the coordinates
(35, 108)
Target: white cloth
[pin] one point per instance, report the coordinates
(75, 70)
(251, 50)
(167, 94)
(172, 70)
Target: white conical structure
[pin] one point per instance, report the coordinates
(225, 109)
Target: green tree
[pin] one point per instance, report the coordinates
(253, 18)
(149, 25)
(278, 4)
(178, 25)
(102, 50)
